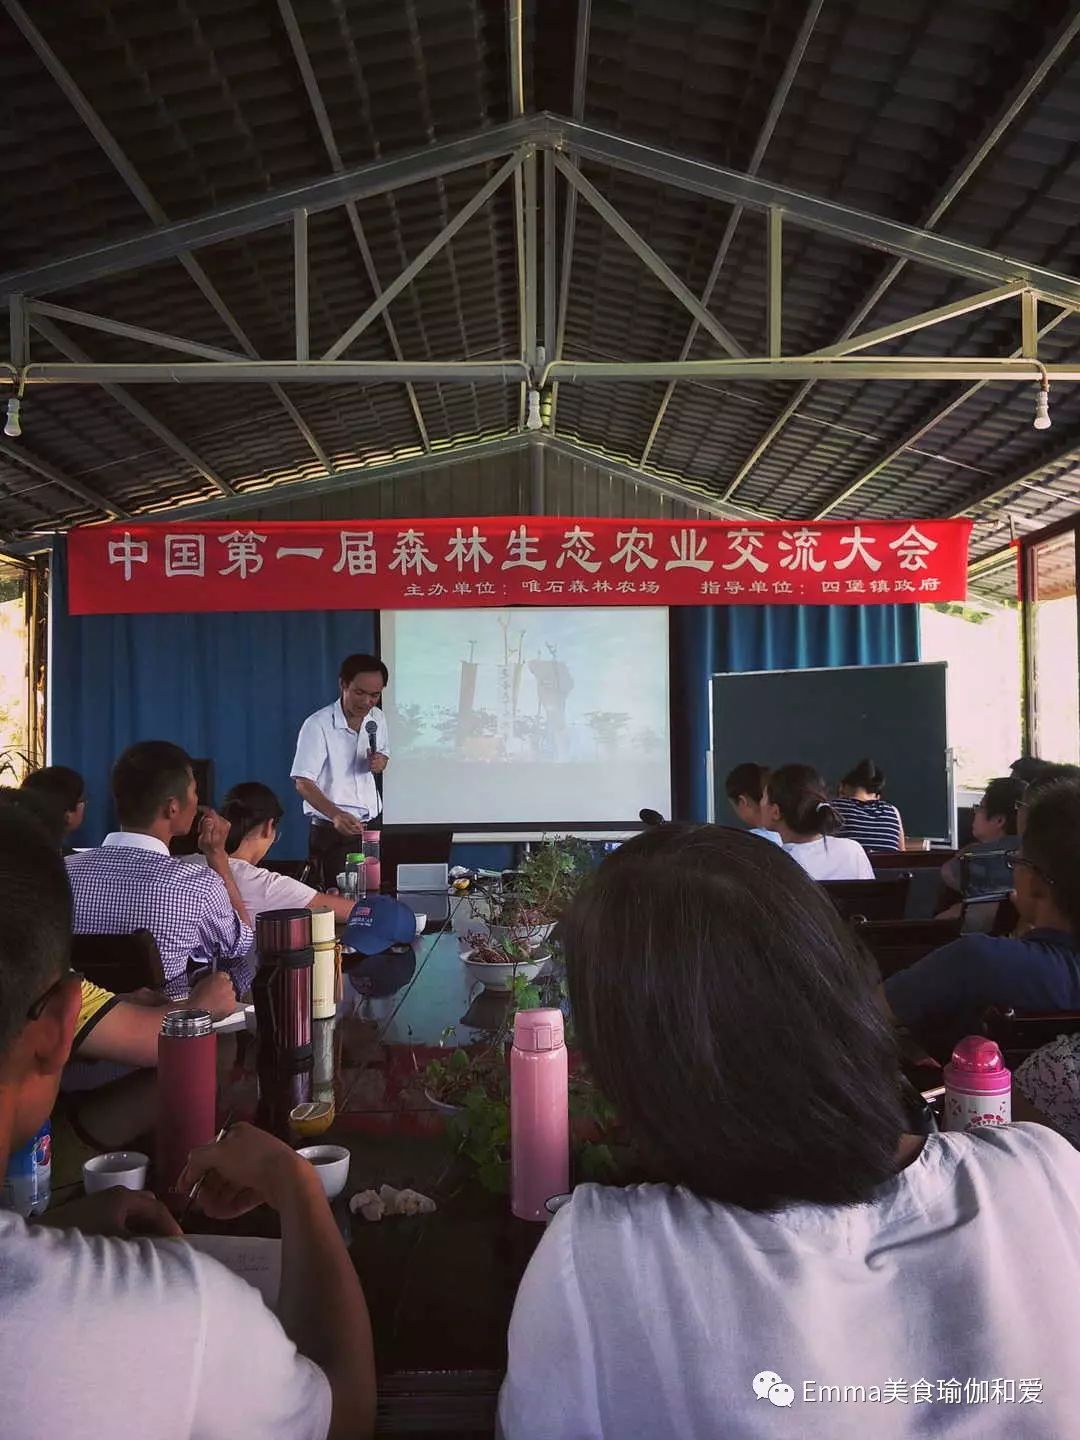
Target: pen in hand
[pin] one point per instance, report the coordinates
(194, 1191)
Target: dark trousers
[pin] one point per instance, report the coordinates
(327, 850)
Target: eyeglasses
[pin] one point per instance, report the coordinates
(37, 1009)
(1014, 858)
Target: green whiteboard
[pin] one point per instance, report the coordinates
(831, 718)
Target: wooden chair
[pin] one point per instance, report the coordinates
(896, 944)
(1019, 1032)
(120, 963)
(909, 859)
(883, 898)
(989, 915)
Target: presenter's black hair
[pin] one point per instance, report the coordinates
(354, 665)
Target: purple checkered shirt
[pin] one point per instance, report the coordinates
(120, 887)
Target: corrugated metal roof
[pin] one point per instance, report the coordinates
(207, 102)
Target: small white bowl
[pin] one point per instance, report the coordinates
(118, 1170)
(500, 977)
(331, 1164)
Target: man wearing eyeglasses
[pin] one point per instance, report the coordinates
(953, 987)
(341, 753)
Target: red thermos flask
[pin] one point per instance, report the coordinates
(187, 1093)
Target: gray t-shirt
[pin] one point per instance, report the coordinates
(132, 1340)
(649, 1312)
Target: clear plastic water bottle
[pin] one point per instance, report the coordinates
(356, 874)
(28, 1182)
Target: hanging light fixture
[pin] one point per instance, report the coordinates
(1042, 419)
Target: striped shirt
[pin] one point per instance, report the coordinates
(131, 882)
(875, 824)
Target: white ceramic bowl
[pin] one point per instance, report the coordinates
(119, 1169)
(500, 977)
(331, 1164)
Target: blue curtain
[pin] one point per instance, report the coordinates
(708, 640)
(231, 687)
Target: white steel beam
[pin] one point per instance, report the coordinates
(923, 428)
(86, 321)
(443, 238)
(469, 372)
(922, 321)
(18, 454)
(326, 131)
(765, 134)
(648, 256)
(1056, 47)
(80, 360)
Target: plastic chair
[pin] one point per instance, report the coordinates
(120, 963)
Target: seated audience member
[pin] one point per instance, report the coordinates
(64, 785)
(956, 984)
(253, 812)
(1046, 1087)
(131, 882)
(1029, 768)
(107, 1334)
(745, 788)
(982, 868)
(790, 1215)
(133, 1023)
(111, 1027)
(867, 818)
(1047, 776)
(797, 806)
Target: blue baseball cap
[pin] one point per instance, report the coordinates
(376, 923)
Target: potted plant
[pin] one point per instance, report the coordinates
(496, 960)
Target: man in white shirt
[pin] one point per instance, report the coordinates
(105, 1334)
(340, 752)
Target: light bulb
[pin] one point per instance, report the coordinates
(12, 425)
(532, 419)
(1042, 419)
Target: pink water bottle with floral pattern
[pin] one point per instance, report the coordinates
(978, 1087)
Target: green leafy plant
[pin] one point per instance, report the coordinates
(552, 873)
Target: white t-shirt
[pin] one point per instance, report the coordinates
(335, 756)
(136, 1340)
(264, 889)
(648, 1312)
(831, 858)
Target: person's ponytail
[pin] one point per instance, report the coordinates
(246, 807)
(799, 792)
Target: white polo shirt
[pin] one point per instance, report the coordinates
(334, 756)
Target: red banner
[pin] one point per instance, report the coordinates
(511, 560)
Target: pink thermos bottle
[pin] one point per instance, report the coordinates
(186, 1094)
(539, 1113)
(978, 1088)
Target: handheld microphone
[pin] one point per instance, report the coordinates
(372, 730)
